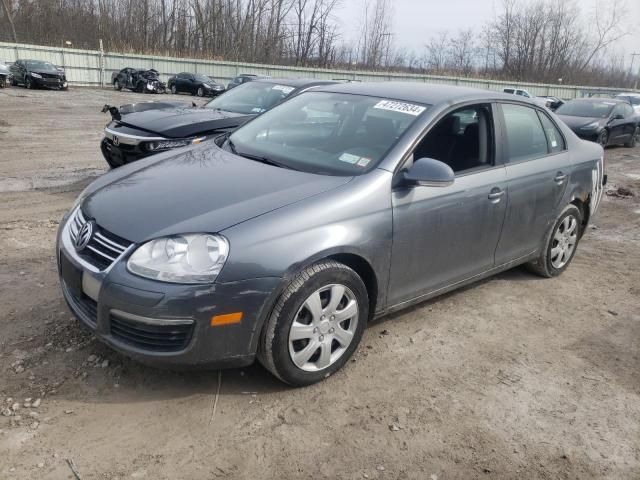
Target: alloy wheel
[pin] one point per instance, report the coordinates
(174, 90)
(323, 328)
(200, 92)
(116, 85)
(564, 241)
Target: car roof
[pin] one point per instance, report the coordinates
(599, 99)
(296, 82)
(429, 94)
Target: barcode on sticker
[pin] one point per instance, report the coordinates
(402, 107)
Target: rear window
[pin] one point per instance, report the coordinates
(526, 139)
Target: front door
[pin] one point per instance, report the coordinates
(443, 235)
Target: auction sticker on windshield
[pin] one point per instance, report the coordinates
(402, 107)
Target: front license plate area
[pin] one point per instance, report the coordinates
(71, 275)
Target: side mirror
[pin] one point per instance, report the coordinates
(427, 172)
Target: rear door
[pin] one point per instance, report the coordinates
(618, 126)
(537, 168)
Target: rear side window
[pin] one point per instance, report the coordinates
(525, 137)
(554, 138)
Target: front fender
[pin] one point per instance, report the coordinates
(355, 218)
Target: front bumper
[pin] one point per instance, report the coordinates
(49, 82)
(163, 324)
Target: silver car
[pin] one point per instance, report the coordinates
(344, 203)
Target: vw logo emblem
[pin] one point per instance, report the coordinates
(116, 140)
(84, 235)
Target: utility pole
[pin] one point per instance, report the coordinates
(633, 59)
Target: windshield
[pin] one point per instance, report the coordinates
(251, 98)
(587, 109)
(38, 65)
(202, 78)
(326, 133)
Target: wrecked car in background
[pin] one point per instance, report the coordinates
(140, 130)
(141, 81)
(5, 75)
(37, 73)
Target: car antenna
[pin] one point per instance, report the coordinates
(115, 113)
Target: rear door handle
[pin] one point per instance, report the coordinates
(495, 195)
(560, 177)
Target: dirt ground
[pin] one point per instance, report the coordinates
(514, 377)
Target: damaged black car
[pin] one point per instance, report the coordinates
(195, 84)
(139, 130)
(136, 80)
(37, 73)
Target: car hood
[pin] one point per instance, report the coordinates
(577, 122)
(181, 122)
(200, 189)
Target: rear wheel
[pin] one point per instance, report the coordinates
(174, 90)
(560, 244)
(603, 138)
(116, 85)
(634, 140)
(316, 325)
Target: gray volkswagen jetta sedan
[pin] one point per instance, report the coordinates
(282, 240)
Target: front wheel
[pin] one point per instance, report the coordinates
(200, 92)
(27, 83)
(635, 138)
(174, 90)
(316, 324)
(560, 244)
(116, 85)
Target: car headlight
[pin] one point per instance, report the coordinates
(35, 75)
(169, 144)
(191, 258)
(591, 126)
(206, 86)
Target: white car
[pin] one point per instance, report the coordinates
(542, 102)
(632, 98)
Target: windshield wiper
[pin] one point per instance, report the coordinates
(265, 160)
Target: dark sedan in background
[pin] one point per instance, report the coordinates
(36, 73)
(243, 78)
(131, 136)
(195, 84)
(602, 120)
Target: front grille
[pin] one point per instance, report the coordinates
(86, 306)
(103, 248)
(157, 338)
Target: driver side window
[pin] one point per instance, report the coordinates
(463, 139)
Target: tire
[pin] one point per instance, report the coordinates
(603, 138)
(548, 264)
(633, 141)
(27, 83)
(318, 281)
(200, 92)
(116, 85)
(174, 90)
(13, 82)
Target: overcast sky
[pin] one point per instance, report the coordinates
(416, 20)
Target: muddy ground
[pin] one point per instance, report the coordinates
(515, 377)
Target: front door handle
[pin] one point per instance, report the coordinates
(560, 177)
(495, 195)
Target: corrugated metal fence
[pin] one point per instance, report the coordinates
(94, 68)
